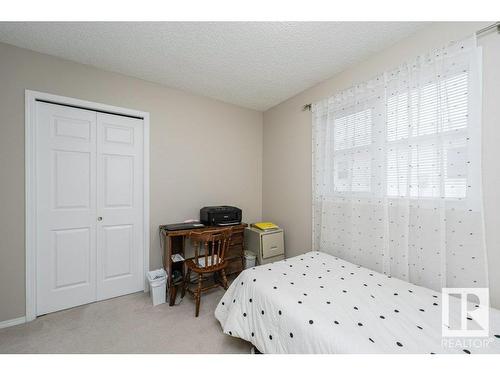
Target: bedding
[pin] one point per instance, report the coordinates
(317, 303)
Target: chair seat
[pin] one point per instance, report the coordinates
(200, 266)
(201, 261)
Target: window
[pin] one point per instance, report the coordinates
(424, 151)
(352, 152)
(426, 140)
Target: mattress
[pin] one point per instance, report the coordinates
(317, 303)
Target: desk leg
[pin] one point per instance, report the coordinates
(167, 263)
(173, 295)
(170, 249)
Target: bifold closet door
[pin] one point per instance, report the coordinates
(89, 243)
(120, 230)
(66, 207)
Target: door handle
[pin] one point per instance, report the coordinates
(99, 218)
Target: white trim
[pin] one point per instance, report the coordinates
(30, 174)
(12, 322)
(30, 222)
(146, 200)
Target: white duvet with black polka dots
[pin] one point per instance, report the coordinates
(316, 303)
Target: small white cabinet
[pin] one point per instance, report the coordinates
(269, 246)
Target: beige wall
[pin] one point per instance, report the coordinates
(287, 140)
(203, 152)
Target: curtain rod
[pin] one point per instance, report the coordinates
(484, 30)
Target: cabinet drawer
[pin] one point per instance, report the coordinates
(272, 245)
(234, 265)
(236, 238)
(235, 250)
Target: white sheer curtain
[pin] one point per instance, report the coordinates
(397, 171)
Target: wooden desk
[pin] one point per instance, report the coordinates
(175, 242)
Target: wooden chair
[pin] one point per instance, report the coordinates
(210, 248)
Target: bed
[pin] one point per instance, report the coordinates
(317, 303)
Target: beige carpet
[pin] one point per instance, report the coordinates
(128, 324)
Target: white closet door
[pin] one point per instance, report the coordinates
(66, 207)
(90, 241)
(120, 231)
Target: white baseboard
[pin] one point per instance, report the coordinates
(12, 322)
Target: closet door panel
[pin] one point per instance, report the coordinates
(120, 205)
(66, 207)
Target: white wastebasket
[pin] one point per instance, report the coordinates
(250, 259)
(157, 286)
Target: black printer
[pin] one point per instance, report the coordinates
(220, 215)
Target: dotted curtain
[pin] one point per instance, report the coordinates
(397, 171)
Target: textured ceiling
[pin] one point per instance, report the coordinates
(252, 64)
